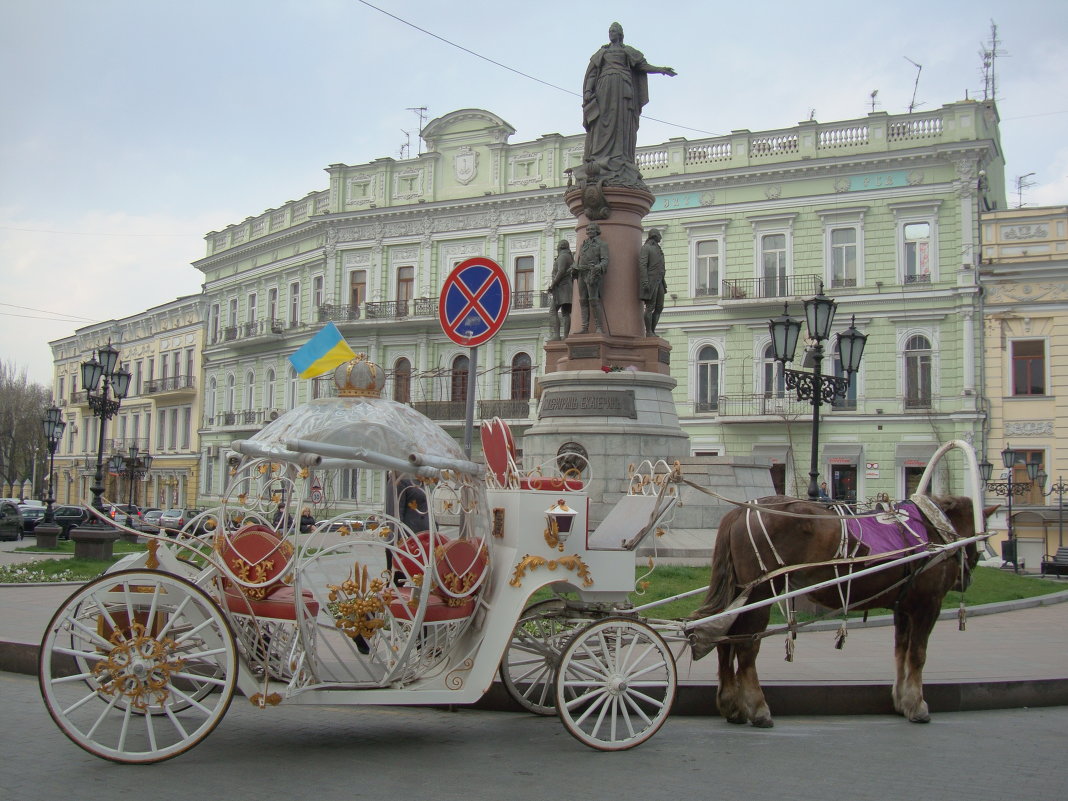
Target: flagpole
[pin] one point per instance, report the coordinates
(469, 423)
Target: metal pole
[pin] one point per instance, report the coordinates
(469, 422)
(1060, 511)
(98, 478)
(1012, 539)
(817, 400)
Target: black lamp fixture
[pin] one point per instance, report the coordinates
(1008, 489)
(53, 431)
(813, 386)
(105, 385)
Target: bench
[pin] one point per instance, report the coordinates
(1058, 565)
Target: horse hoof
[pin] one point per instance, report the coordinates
(737, 720)
(925, 718)
(763, 722)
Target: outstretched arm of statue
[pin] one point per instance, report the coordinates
(661, 70)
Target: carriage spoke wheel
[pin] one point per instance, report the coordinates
(615, 684)
(138, 666)
(528, 667)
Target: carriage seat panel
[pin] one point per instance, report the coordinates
(257, 554)
(279, 605)
(629, 522)
(438, 609)
(551, 483)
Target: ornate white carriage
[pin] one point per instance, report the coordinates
(414, 601)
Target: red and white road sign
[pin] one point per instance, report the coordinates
(474, 301)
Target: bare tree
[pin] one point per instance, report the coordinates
(22, 406)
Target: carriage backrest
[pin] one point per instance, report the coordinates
(256, 554)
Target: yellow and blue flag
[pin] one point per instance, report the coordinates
(322, 353)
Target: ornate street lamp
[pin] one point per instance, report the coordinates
(105, 387)
(1008, 489)
(816, 387)
(53, 431)
(134, 467)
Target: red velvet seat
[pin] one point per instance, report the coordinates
(279, 605)
(458, 565)
(257, 554)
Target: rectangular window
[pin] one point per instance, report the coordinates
(187, 426)
(706, 268)
(357, 288)
(524, 274)
(405, 283)
(917, 252)
(1028, 367)
(161, 430)
(214, 325)
(190, 356)
(138, 376)
(294, 303)
(773, 264)
(250, 316)
(63, 383)
(272, 304)
(174, 429)
(843, 257)
(317, 291)
(151, 368)
(232, 320)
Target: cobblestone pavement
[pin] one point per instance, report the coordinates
(350, 753)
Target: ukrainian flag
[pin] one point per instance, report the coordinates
(322, 353)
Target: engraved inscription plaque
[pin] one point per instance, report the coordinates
(591, 403)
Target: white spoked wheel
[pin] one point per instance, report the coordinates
(528, 667)
(615, 684)
(138, 666)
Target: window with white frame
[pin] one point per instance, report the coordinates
(917, 241)
(317, 292)
(708, 375)
(272, 304)
(231, 393)
(357, 288)
(773, 265)
(523, 297)
(250, 311)
(1028, 366)
(843, 245)
(250, 389)
(405, 283)
(292, 384)
(917, 358)
(232, 319)
(211, 400)
(706, 255)
(294, 303)
(774, 375)
(268, 390)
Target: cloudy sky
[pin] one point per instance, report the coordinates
(133, 128)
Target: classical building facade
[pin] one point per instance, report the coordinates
(882, 211)
(161, 348)
(1025, 305)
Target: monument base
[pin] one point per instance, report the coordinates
(597, 351)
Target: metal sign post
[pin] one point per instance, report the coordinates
(474, 304)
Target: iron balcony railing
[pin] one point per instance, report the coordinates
(761, 405)
(174, 383)
(778, 286)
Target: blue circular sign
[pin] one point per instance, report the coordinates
(474, 301)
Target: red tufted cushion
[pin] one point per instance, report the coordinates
(419, 548)
(255, 553)
(437, 610)
(279, 605)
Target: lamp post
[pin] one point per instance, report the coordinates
(53, 431)
(133, 467)
(1060, 488)
(814, 386)
(1008, 489)
(105, 385)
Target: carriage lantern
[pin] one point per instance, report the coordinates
(560, 518)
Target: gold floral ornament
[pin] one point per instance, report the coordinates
(139, 667)
(253, 574)
(358, 602)
(569, 562)
(304, 473)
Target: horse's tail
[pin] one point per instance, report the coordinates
(722, 590)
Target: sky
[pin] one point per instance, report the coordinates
(131, 129)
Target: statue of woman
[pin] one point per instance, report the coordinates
(615, 89)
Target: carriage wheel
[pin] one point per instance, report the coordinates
(528, 667)
(615, 684)
(138, 666)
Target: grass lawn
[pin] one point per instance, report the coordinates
(67, 546)
(65, 569)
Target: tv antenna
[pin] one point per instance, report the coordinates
(989, 54)
(420, 111)
(916, 85)
(872, 96)
(406, 148)
(1022, 183)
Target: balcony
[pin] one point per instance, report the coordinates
(249, 418)
(330, 312)
(761, 406)
(530, 299)
(774, 289)
(175, 384)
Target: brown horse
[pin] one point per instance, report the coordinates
(754, 554)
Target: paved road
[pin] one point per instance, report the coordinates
(348, 753)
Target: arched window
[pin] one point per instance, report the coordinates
(231, 392)
(250, 390)
(707, 379)
(213, 388)
(458, 388)
(291, 388)
(402, 381)
(774, 375)
(918, 372)
(521, 376)
(268, 390)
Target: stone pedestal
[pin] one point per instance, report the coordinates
(47, 534)
(94, 542)
(595, 351)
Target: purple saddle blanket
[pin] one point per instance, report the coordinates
(900, 529)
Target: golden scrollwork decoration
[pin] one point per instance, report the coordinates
(569, 562)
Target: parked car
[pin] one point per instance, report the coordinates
(174, 519)
(10, 521)
(68, 517)
(150, 521)
(124, 513)
(31, 516)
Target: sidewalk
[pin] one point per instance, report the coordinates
(1010, 655)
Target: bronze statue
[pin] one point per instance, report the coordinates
(589, 270)
(615, 89)
(560, 290)
(652, 285)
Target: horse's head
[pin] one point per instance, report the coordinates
(960, 514)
